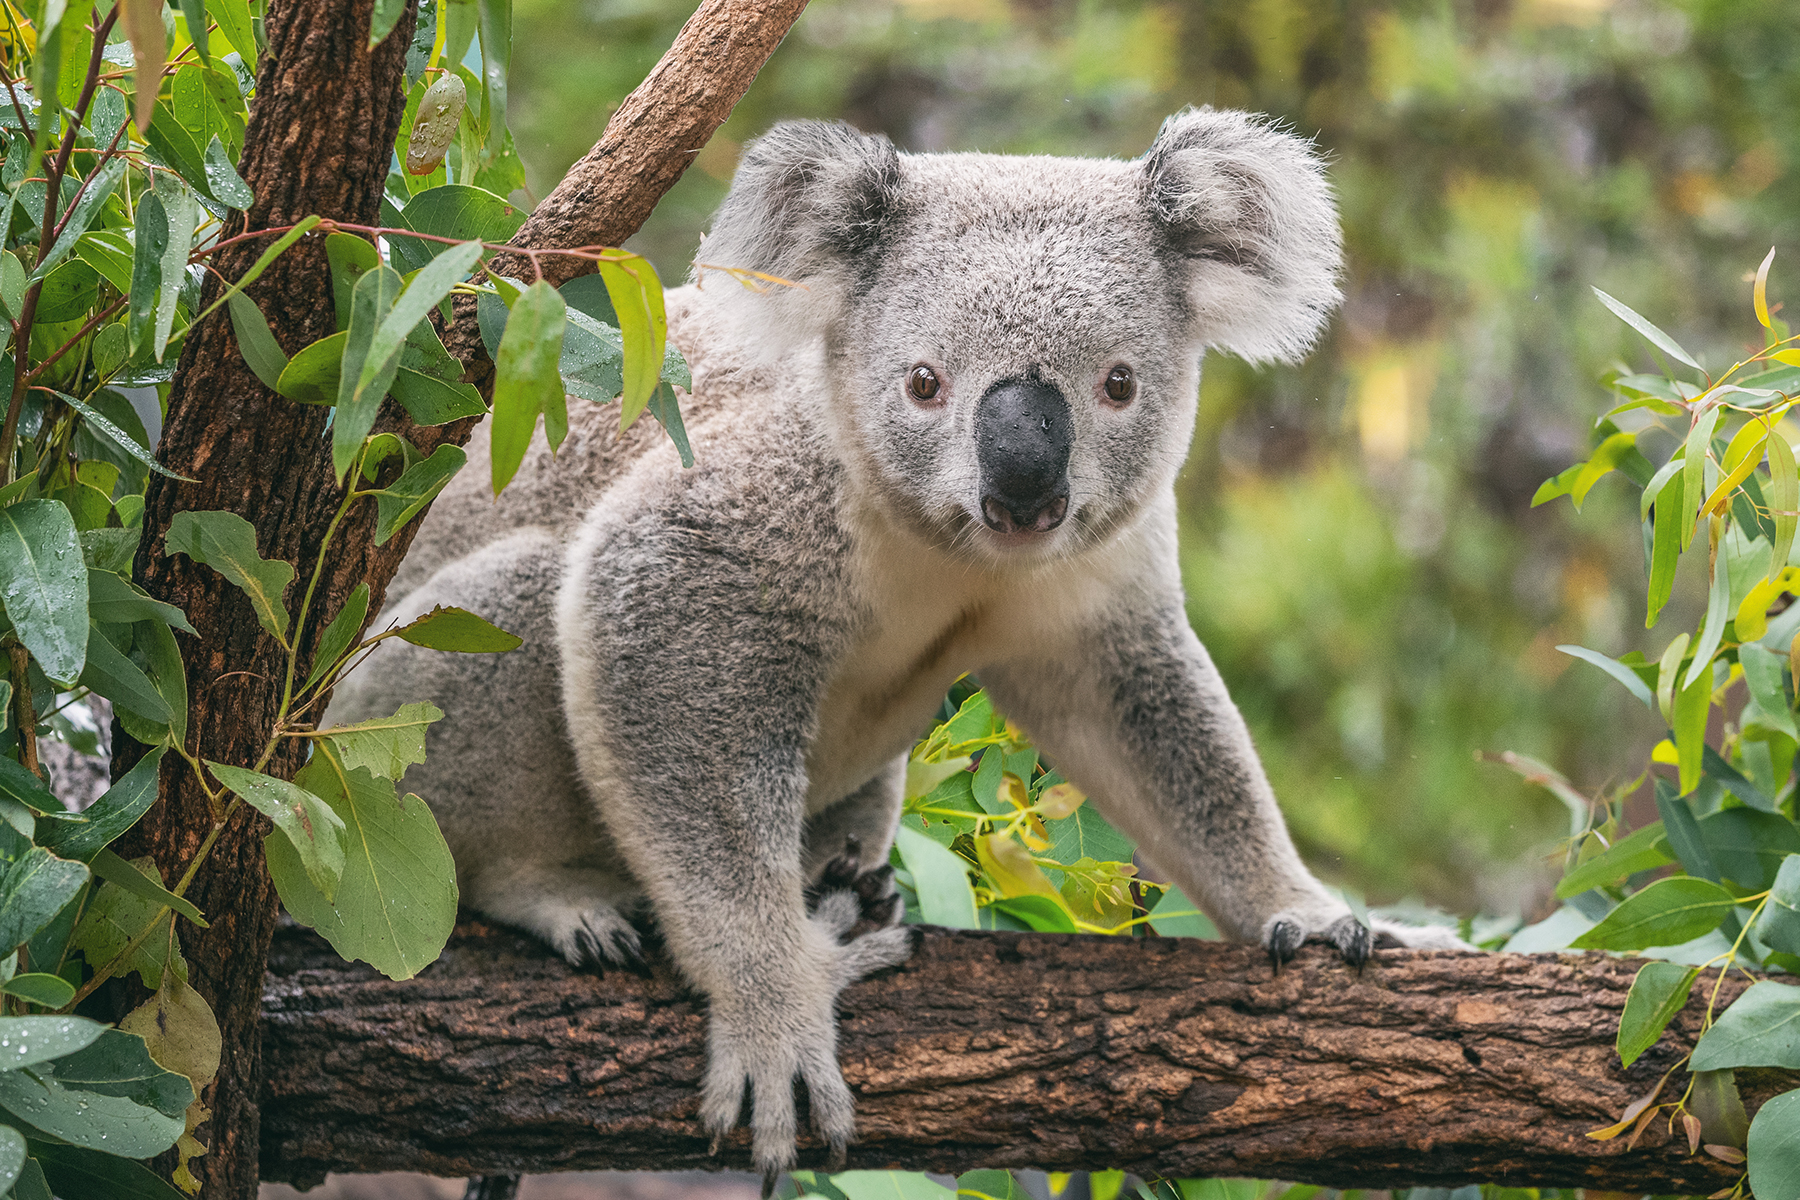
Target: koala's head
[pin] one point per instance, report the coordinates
(1013, 344)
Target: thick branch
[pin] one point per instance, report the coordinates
(1163, 1056)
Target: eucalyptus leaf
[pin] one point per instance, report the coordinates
(43, 585)
(227, 543)
(312, 827)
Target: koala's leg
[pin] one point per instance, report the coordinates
(1135, 713)
(690, 688)
(846, 848)
(499, 773)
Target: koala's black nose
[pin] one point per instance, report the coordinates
(1022, 434)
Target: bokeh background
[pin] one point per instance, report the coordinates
(1360, 551)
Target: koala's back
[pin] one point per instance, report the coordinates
(555, 493)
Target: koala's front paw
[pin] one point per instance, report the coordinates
(768, 1037)
(878, 901)
(597, 937)
(1286, 932)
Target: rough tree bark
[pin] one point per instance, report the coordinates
(327, 109)
(320, 141)
(1162, 1056)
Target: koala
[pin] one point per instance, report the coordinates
(949, 448)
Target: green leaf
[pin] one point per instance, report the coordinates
(115, 916)
(1037, 912)
(179, 1030)
(426, 291)
(418, 485)
(98, 189)
(1760, 1029)
(995, 1185)
(51, 991)
(107, 817)
(26, 788)
(29, 1041)
(940, 878)
(526, 379)
(1748, 846)
(460, 630)
(396, 903)
(667, 411)
(115, 600)
(311, 826)
(130, 445)
(638, 300)
(386, 15)
(142, 881)
(890, 1185)
(120, 680)
(34, 886)
(12, 1150)
(1774, 1148)
(81, 1174)
(236, 24)
(1693, 471)
(109, 252)
(43, 585)
(182, 209)
(1667, 913)
(1671, 513)
(1718, 611)
(228, 187)
(1639, 851)
(1784, 499)
(12, 284)
(1616, 669)
(385, 746)
(152, 234)
(496, 58)
(1657, 337)
(1086, 834)
(1692, 704)
(1177, 916)
(1657, 994)
(1779, 924)
(359, 397)
(351, 257)
(227, 543)
(431, 401)
(593, 355)
(262, 353)
(339, 634)
(1763, 670)
(154, 650)
(109, 1096)
(312, 375)
(455, 211)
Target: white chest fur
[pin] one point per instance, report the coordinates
(932, 618)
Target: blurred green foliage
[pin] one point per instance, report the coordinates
(1360, 554)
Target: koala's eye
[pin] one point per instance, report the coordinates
(922, 383)
(1121, 385)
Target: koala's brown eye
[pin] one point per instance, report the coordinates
(1121, 386)
(922, 383)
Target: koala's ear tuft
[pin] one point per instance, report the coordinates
(807, 196)
(1248, 214)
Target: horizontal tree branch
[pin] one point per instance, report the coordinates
(1166, 1057)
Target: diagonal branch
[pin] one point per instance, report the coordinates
(1163, 1056)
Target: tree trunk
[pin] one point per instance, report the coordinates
(1163, 1056)
(319, 141)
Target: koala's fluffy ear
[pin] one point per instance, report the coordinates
(1248, 209)
(809, 198)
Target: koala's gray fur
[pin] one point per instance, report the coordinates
(725, 667)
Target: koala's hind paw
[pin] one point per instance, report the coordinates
(769, 1064)
(1286, 933)
(599, 938)
(877, 900)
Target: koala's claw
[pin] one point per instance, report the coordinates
(1353, 940)
(1282, 942)
(843, 879)
(768, 1183)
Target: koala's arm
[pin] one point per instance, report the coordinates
(1132, 710)
(690, 682)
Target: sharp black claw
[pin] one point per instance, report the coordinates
(872, 886)
(768, 1183)
(1284, 939)
(712, 1151)
(834, 1160)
